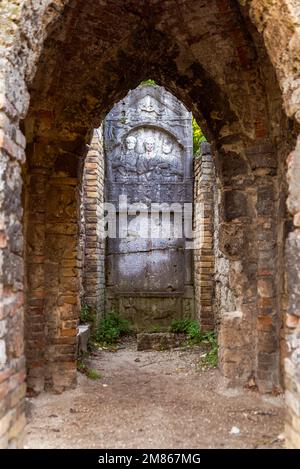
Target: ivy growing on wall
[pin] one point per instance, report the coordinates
(198, 137)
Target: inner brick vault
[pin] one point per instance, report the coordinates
(235, 65)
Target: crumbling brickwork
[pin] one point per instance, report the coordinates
(94, 242)
(53, 263)
(204, 256)
(74, 60)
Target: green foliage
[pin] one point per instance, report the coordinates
(110, 328)
(195, 337)
(189, 327)
(180, 325)
(148, 82)
(193, 333)
(81, 366)
(211, 357)
(93, 374)
(198, 137)
(87, 315)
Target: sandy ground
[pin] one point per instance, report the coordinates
(153, 400)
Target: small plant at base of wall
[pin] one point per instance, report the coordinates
(87, 315)
(82, 367)
(210, 359)
(189, 327)
(93, 374)
(156, 328)
(111, 328)
(195, 337)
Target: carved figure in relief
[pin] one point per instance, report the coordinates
(170, 166)
(125, 165)
(148, 161)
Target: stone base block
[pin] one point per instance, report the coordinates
(83, 336)
(159, 341)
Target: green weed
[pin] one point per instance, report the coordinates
(211, 357)
(110, 328)
(180, 325)
(87, 315)
(156, 328)
(189, 327)
(93, 374)
(148, 82)
(195, 337)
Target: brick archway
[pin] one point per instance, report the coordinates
(84, 57)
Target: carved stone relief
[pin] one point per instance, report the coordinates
(147, 154)
(148, 143)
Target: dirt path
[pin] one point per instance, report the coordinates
(153, 400)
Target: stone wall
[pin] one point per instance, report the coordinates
(292, 361)
(248, 316)
(250, 235)
(53, 264)
(223, 300)
(12, 361)
(283, 53)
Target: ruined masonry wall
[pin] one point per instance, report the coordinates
(94, 244)
(204, 183)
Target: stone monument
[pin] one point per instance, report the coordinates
(148, 146)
